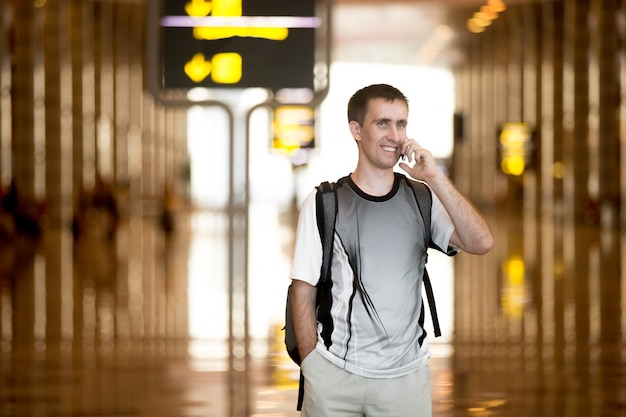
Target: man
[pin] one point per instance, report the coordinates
(369, 356)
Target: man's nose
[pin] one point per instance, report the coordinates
(396, 134)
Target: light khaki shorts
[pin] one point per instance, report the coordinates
(330, 391)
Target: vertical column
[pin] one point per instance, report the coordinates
(622, 115)
(459, 172)
(552, 109)
(499, 32)
(476, 128)
(622, 171)
(105, 92)
(529, 38)
(609, 164)
(472, 161)
(23, 144)
(556, 179)
(576, 110)
(159, 159)
(137, 101)
(76, 61)
(148, 147)
(486, 160)
(79, 67)
(545, 157)
(576, 176)
(181, 155)
(514, 94)
(594, 68)
(56, 152)
(6, 23)
(608, 113)
(531, 109)
(121, 48)
(58, 116)
(458, 168)
(86, 142)
(488, 122)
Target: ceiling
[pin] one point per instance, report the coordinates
(393, 32)
(409, 32)
(447, 3)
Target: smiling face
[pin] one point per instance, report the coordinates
(382, 133)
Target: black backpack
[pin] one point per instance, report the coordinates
(326, 209)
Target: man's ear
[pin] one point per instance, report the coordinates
(355, 129)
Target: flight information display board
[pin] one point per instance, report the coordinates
(238, 43)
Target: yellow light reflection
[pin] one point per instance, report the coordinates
(558, 170)
(514, 290)
(513, 165)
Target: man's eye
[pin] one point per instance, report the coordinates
(382, 123)
(401, 125)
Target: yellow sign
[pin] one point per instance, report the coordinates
(293, 128)
(215, 33)
(515, 148)
(224, 68)
(230, 9)
(198, 7)
(238, 43)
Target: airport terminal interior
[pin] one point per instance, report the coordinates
(149, 203)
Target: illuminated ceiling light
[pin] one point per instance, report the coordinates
(497, 6)
(489, 12)
(481, 19)
(444, 32)
(474, 27)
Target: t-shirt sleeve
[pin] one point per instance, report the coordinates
(307, 259)
(442, 227)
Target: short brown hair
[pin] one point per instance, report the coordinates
(357, 106)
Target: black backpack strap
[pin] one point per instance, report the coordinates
(326, 205)
(424, 200)
(300, 392)
(326, 210)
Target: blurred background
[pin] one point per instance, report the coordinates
(149, 195)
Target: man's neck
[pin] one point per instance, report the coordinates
(375, 184)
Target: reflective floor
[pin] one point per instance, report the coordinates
(144, 324)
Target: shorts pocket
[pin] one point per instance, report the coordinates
(307, 359)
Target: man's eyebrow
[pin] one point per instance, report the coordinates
(388, 120)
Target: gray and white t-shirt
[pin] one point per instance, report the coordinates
(377, 309)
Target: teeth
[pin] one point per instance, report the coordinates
(389, 148)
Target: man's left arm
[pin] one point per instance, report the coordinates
(471, 234)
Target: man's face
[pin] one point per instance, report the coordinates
(383, 131)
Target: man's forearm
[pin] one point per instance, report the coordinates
(303, 297)
(472, 234)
